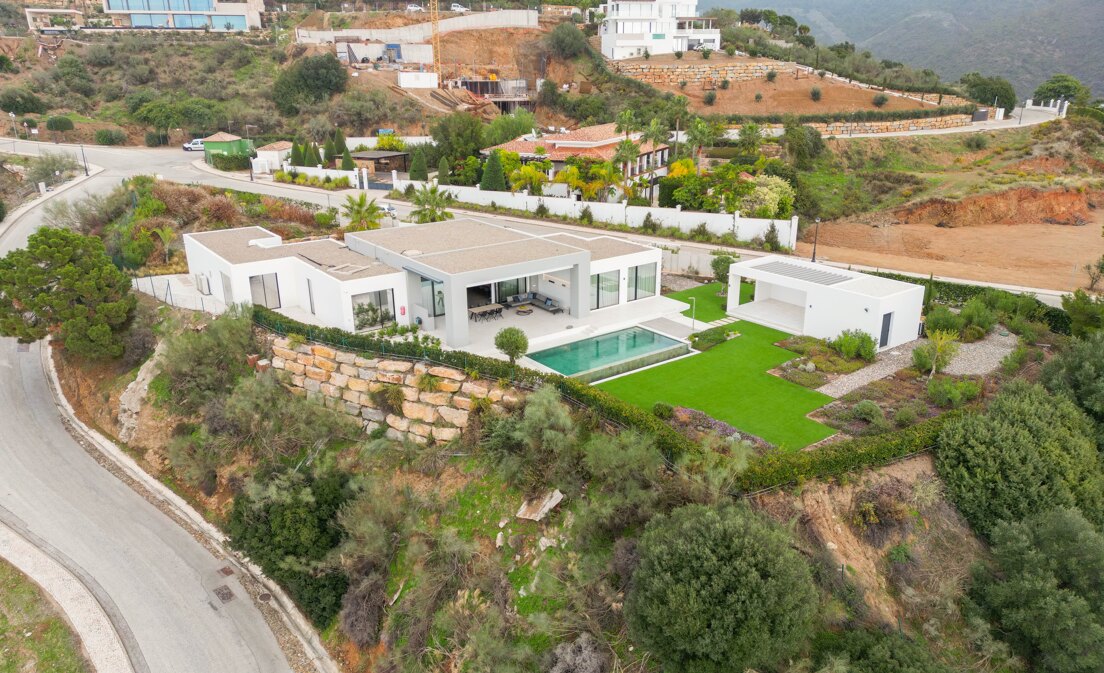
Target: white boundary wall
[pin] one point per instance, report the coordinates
(1058, 107)
(743, 228)
(421, 32)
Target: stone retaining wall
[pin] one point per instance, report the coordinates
(350, 383)
(700, 72)
(896, 126)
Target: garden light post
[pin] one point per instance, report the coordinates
(85, 160)
(816, 237)
(12, 116)
(694, 313)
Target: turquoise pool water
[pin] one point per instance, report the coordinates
(609, 354)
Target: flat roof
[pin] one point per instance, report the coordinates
(600, 247)
(333, 258)
(494, 256)
(377, 154)
(803, 271)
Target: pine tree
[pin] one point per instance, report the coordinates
(443, 172)
(339, 142)
(347, 161)
(296, 154)
(493, 178)
(331, 153)
(418, 169)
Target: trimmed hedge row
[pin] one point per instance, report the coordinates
(779, 469)
(613, 409)
(858, 116)
(1090, 112)
(959, 293)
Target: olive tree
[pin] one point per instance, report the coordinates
(512, 342)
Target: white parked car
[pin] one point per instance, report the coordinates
(457, 7)
(196, 145)
(415, 8)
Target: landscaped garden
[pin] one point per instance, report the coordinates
(730, 383)
(710, 306)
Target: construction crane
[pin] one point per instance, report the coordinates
(435, 18)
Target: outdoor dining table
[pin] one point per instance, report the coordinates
(486, 312)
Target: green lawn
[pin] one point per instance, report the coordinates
(33, 636)
(730, 382)
(710, 306)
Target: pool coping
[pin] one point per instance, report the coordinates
(587, 374)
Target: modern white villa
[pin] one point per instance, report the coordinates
(658, 26)
(818, 300)
(444, 276)
(195, 15)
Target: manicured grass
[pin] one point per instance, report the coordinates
(730, 382)
(710, 306)
(33, 637)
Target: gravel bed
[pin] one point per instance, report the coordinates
(982, 357)
(885, 365)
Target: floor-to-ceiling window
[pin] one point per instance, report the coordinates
(433, 297)
(642, 282)
(604, 289)
(383, 300)
(265, 290)
(509, 288)
(228, 22)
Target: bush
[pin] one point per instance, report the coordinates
(880, 99)
(566, 41)
(869, 411)
(815, 94)
(725, 84)
(59, 123)
(313, 79)
(710, 97)
(586, 216)
(110, 137)
(942, 319)
(1078, 373)
(230, 162)
(154, 139)
(678, 55)
(977, 313)
(949, 393)
(1030, 452)
(663, 410)
(758, 97)
(706, 53)
(21, 101)
(719, 589)
(875, 652)
(855, 344)
(975, 142)
(772, 75)
(202, 366)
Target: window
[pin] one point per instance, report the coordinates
(384, 300)
(604, 289)
(189, 21)
(642, 282)
(509, 288)
(265, 290)
(433, 297)
(158, 5)
(201, 5)
(227, 22)
(178, 5)
(149, 20)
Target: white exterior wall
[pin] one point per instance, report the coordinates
(833, 311)
(270, 161)
(622, 264)
(631, 27)
(417, 80)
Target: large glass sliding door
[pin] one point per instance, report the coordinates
(509, 288)
(265, 290)
(433, 297)
(642, 282)
(604, 289)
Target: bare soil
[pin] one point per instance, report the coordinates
(787, 95)
(1020, 237)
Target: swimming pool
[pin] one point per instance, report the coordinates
(606, 355)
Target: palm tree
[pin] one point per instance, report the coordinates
(528, 177)
(166, 235)
(627, 124)
(606, 175)
(431, 205)
(699, 135)
(362, 213)
(657, 133)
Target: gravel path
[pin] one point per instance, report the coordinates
(982, 357)
(887, 363)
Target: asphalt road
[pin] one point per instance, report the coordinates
(151, 576)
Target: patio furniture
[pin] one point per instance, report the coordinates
(524, 309)
(534, 299)
(486, 312)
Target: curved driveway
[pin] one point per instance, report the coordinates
(150, 575)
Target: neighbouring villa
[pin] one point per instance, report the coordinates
(452, 278)
(632, 27)
(801, 297)
(198, 15)
(590, 142)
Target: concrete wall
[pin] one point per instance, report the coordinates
(346, 382)
(833, 311)
(697, 71)
(421, 32)
(417, 80)
(744, 228)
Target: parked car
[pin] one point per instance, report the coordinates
(457, 7)
(196, 145)
(415, 8)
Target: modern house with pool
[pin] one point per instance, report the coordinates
(802, 297)
(461, 279)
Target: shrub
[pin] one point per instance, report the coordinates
(230, 162)
(205, 365)
(706, 53)
(880, 99)
(933, 356)
(541, 210)
(389, 398)
(730, 50)
(110, 137)
(876, 652)
(949, 393)
(678, 55)
(512, 342)
(855, 344)
(1030, 452)
(905, 416)
(21, 101)
(154, 139)
(663, 410)
(649, 224)
(682, 84)
(325, 219)
(942, 319)
(772, 75)
(975, 142)
(869, 411)
(815, 94)
(694, 571)
(710, 97)
(566, 41)
(758, 98)
(59, 123)
(586, 216)
(1078, 372)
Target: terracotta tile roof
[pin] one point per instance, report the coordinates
(277, 146)
(586, 134)
(601, 152)
(221, 137)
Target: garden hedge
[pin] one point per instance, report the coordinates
(779, 468)
(612, 409)
(859, 116)
(959, 293)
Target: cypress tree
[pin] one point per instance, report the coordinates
(296, 154)
(443, 172)
(315, 157)
(331, 152)
(347, 161)
(418, 169)
(493, 178)
(339, 142)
